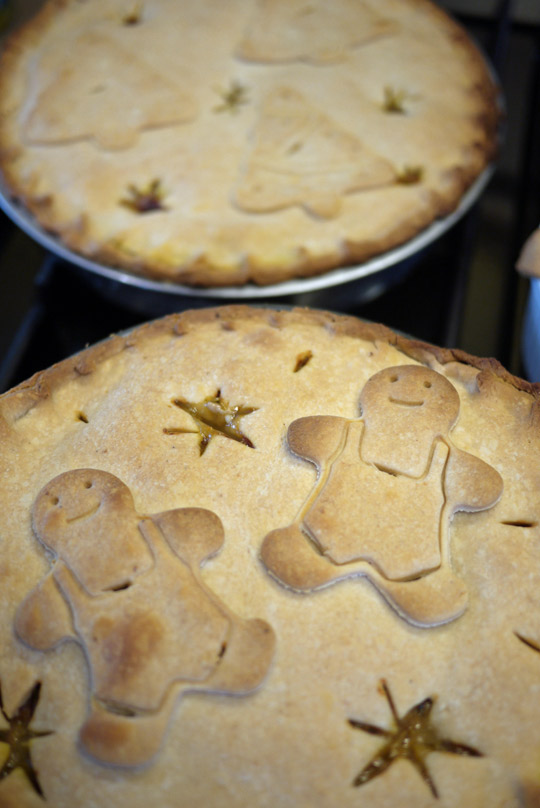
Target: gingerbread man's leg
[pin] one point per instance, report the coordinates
(246, 658)
(431, 600)
(289, 556)
(123, 739)
(436, 598)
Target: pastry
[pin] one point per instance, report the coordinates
(252, 557)
(213, 143)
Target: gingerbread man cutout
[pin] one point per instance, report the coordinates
(388, 486)
(127, 588)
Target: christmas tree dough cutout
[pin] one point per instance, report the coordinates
(313, 31)
(300, 156)
(109, 92)
(389, 484)
(127, 588)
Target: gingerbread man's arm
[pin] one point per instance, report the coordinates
(193, 534)
(470, 484)
(43, 619)
(316, 437)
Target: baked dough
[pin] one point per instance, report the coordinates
(262, 558)
(215, 143)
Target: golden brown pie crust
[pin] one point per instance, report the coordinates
(189, 613)
(219, 143)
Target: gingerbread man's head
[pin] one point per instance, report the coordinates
(404, 409)
(88, 520)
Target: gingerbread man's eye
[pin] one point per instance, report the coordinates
(393, 378)
(427, 384)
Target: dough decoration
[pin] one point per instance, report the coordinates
(213, 416)
(113, 102)
(127, 588)
(413, 738)
(300, 156)
(310, 30)
(18, 736)
(397, 536)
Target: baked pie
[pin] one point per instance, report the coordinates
(213, 143)
(262, 558)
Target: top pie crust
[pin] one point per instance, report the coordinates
(217, 143)
(189, 614)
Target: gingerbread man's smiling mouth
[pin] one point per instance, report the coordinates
(403, 403)
(83, 515)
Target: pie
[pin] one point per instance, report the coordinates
(257, 558)
(213, 143)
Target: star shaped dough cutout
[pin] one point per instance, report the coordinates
(213, 416)
(413, 739)
(18, 736)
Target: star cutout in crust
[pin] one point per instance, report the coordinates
(18, 736)
(145, 200)
(213, 416)
(233, 98)
(413, 739)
